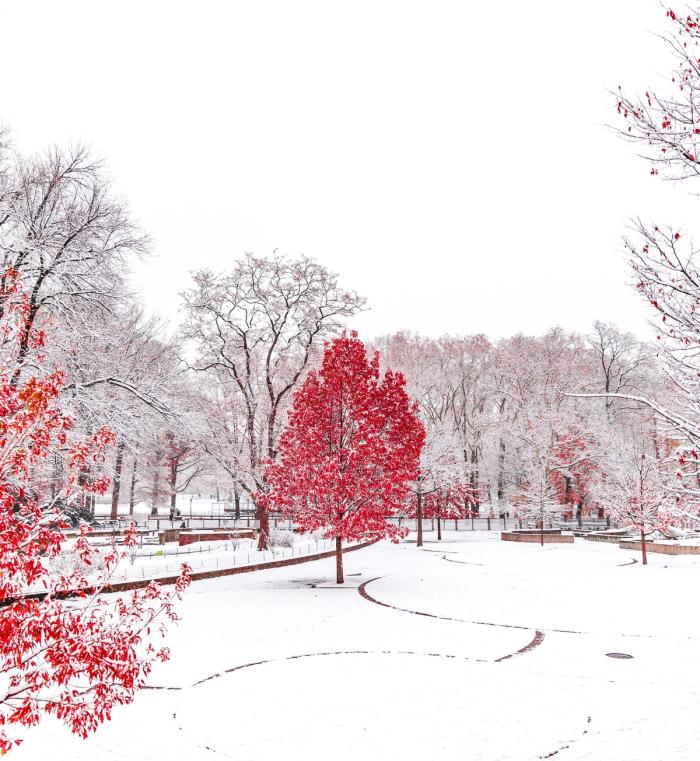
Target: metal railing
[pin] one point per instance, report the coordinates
(212, 561)
(461, 524)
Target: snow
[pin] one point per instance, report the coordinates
(188, 504)
(342, 677)
(164, 561)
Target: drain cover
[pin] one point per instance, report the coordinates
(619, 655)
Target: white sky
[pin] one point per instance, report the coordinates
(448, 159)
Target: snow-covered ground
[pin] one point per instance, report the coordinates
(285, 664)
(162, 561)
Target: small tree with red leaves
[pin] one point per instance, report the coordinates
(64, 650)
(351, 450)
(451, 500)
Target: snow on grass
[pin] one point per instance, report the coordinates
(379, 683)
(162, 561)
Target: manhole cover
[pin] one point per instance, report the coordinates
(619, 655)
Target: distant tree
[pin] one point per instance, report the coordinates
(124, 373)
(184, 465)
(442, 490)
(574, 469)
(351, 450)
(448, 379)
(223, 436)
(621, 361)
(544, 422)
(449, 501)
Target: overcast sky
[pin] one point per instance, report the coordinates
(449, 160)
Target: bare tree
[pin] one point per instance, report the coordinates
(70, 239)
(666, 126)
(223, 434)
(637, 488)
(258, 328)
(622, 361)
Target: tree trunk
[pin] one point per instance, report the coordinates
(542, 529)
(500, 484)
(83, 498)
(264, 531)
(439, 528)
(155, 488)
(132, 490)
(419, 516)
(474, 477)
(117, 480)
(644, 547)
(172, 482)
(338, 561)
(236, 502)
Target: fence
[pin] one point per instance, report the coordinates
(209, 560)
(216, 521)
(496, 524)
(462, 524)
(429, 524)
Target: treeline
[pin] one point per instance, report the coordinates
(206, 405)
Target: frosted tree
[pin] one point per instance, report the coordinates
(123, 370)
(351, 449)
(448, 377)
(636, 488)
(665, 125)
(223, 435)
(623, 363)
(471, 404)
(258, 328)
(68, 236)
(546, 422)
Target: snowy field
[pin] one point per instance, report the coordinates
(509, 661)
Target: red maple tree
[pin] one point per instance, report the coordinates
(351, 449)
(64, 650)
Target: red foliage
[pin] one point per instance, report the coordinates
(573, 468)
(69, 652)
(351, 449)
(449, 501)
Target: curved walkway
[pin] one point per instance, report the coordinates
(363, 592)
(537, 640)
